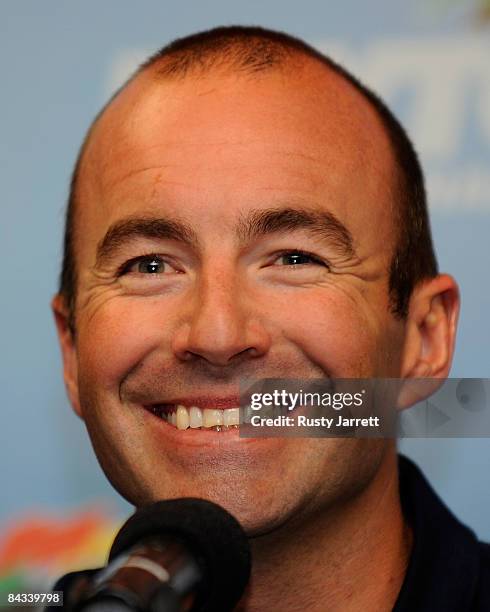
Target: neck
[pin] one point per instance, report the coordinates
(345, 560)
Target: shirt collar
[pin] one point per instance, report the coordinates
(443, 568)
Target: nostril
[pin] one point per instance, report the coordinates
(220, 340)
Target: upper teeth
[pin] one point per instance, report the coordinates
(193, 417)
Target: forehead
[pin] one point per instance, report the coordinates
(218, 143)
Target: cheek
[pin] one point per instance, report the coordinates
(117, 337)
(331, 331)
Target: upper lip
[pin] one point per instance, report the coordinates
(219, 403)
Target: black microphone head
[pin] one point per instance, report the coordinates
(212, 534)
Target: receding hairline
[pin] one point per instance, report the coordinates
(248, 50)
(291, 61)
(180, 65)
(235, 50)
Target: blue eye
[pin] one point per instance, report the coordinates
(151, 265)
(146, 264)
(296, 258)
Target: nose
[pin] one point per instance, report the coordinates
(219, 323)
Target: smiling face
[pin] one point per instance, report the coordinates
(231, 227)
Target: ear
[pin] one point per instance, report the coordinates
(429, 338)
(68, 350)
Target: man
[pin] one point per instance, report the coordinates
(245, 208)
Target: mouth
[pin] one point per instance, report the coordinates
(182, 417)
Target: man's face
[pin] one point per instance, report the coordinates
(249, 289)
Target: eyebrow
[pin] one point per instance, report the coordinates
(256, 223)
(132, 228)
(323, 224)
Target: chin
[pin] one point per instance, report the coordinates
(256, 513)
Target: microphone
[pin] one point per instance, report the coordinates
(171, 556)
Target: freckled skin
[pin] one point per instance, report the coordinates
(207, 150)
